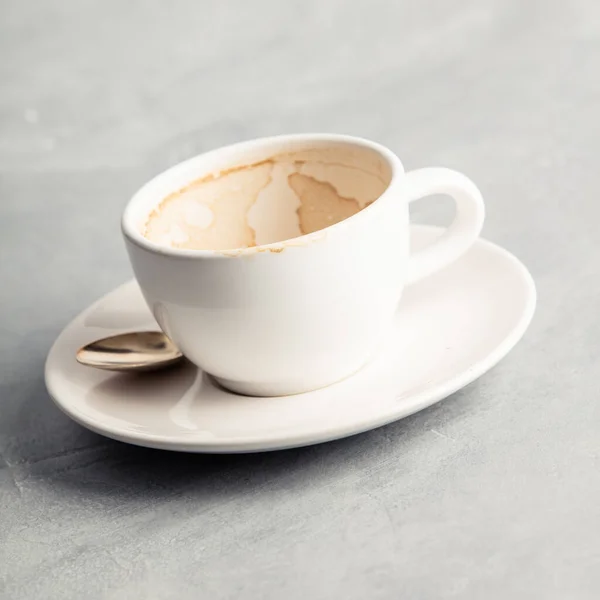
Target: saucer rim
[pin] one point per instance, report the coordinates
(420, 401)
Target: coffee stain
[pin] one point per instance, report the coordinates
(298, 242)
(253, 202)
(274, 249)
(381, 179)
(320, 203)
(197, 183)
(254, 250)
(229, 204)
(283, 157)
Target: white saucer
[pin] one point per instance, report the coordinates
(449, 330)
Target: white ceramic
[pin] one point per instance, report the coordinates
(297, 315)
(450, 329)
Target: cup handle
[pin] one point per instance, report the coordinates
(463, 231)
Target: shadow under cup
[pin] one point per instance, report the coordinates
(255, 262)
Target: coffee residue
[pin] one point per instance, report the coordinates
(320, 203)
(214, 212)
(228, 196)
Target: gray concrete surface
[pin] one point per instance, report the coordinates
(494, 493)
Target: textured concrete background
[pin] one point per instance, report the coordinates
(493, 493)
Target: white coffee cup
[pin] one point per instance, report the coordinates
(295, 315)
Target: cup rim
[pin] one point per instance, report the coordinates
(132, 233)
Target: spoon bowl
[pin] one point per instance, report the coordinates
(136, 351)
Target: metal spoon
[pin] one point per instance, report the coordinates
(138, 351)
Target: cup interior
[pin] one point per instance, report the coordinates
(259, 193)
